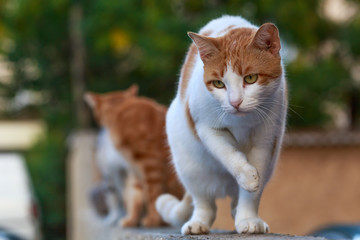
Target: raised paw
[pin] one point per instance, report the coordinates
(194, 228)
(249, 178)
(251, 225)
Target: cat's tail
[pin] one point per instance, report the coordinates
(172, 210)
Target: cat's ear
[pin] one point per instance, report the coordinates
(205, 45)
(91, 99)
(267, 38)
(133, 90)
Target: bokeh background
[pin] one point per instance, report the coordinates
(51, 51)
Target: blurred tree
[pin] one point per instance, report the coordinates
(144, 41)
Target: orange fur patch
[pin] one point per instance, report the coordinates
(138, 185)
(137, 129)
(236, 48)
(226, 29)
(190, 121)
(188, 67)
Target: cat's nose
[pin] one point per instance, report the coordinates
(236, 104)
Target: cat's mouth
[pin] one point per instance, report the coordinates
(239, 112)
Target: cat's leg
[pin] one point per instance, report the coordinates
(202, 218)
(234, 203)
(118, 177)
(222, 144)
(133, 201)
(246, 218)
(154, 188)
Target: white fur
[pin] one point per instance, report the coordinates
(234, 154)
(174, 212)
(112, 165)
(109, 159)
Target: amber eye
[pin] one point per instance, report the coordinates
(218, 84)
(250, 79)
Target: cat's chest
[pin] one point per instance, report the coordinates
(241, 134)
(241, 130)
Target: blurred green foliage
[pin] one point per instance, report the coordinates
(144, 42)
(47, 167)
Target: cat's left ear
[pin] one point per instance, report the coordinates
(133, 90)
(91, 99)
(205, 45)
(267, 38)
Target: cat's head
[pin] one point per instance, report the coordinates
(241, 68)
(104, 104)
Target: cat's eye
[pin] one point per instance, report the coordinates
(250, 79)
(218, 84)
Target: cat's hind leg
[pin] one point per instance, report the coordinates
(203, 216)
(154, 187)
(133, 201)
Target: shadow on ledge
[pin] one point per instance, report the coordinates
(171, 233)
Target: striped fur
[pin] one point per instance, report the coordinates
(135, 127)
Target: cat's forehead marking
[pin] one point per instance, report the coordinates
(232, 50)
(235, 44)
(239, 55)
(234, 81)
(216, 75)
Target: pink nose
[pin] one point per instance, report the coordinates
(236, 104)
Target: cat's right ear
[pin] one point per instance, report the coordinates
(133, 90)
(267, 38)
(205, 45)
(91, 99)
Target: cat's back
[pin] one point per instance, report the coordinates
(138, 126)
(139, 112)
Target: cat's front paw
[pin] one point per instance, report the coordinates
(194, 228)
(251, 225)
(249, 178)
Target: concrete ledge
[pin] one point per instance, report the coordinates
(169, 234)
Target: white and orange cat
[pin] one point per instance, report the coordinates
(133, 155)
(226, 124)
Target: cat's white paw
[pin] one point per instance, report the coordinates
(194, 228)
(249, 178)
(251, 225)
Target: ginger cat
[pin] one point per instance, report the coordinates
(133, 153)
(226, 124)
